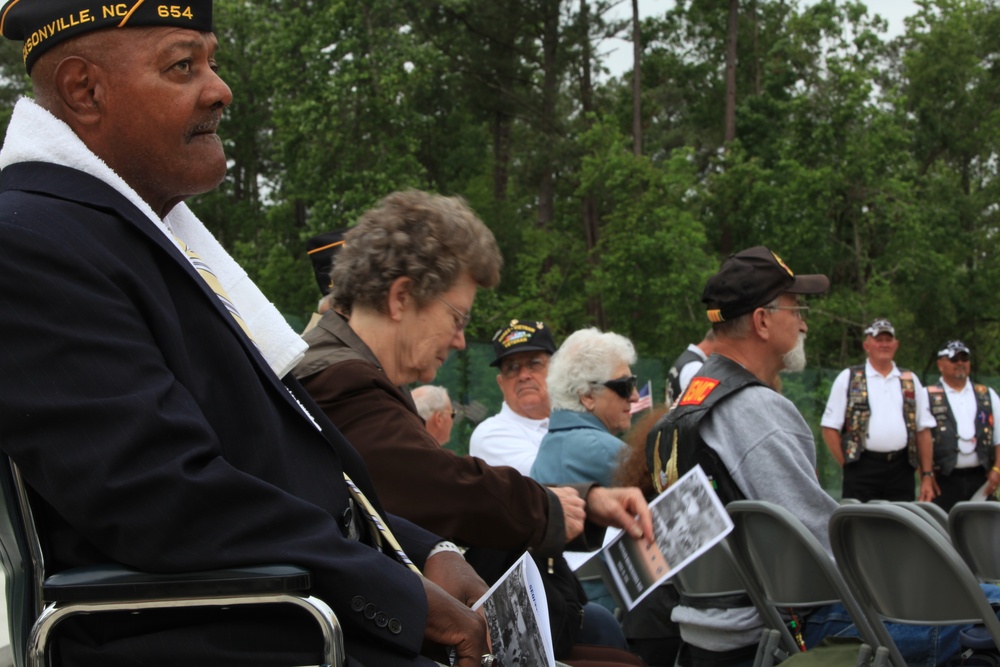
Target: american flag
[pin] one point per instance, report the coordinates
(645, 401)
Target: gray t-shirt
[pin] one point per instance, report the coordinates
(771, 454)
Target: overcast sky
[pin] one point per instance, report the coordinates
(619, 52)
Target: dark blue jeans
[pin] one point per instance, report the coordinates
(921, 645)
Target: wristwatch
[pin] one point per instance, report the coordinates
(926, 473)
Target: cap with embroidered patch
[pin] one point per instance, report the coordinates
(41, 24)
(881, 325)
(953, 348)
(522, 336)
(751, 279)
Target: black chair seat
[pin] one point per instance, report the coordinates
(114, 583)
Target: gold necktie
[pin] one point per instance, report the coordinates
(380, 530)
(210, 278)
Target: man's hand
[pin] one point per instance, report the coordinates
(993, 480)
(451, 623)
(574, 510)
(623, 508)
(929, 489)
(449, 570)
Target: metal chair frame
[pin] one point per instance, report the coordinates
(975, 533)
(793, 569)
(879, 546)
(38, 603)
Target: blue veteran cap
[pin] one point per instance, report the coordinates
(41, 24)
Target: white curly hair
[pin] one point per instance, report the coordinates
(587, 357)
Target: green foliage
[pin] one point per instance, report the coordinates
(872, 161)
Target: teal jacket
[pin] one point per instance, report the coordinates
(577, 448)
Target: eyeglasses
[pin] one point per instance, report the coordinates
(623, 386)
(461, 319)
(453, 413)
(512, 369)
(960, 357)
(801, 311)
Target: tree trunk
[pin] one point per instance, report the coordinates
(549, 123)
(501, 155)
(636, 81)
(734, 10)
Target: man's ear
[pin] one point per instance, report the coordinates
(400, 297)
(761, 323)
(80, 88)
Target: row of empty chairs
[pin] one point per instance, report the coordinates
(897, 562)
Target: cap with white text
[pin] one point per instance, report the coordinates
(41, 24)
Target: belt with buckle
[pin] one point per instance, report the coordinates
(888, 457)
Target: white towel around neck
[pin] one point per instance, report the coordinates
(35, 135)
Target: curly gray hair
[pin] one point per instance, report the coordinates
(431, 239)
(586, 357)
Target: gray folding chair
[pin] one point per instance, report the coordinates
(37, 603)
(975, 534)
(932, 519)
(714, 577)
(793, 569)
(936, 511)
(883, 549)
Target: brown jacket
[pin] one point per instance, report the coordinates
(460, 498)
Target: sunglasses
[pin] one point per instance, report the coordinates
(623, 386)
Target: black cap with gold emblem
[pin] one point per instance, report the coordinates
(41, 24)
(753, 278)
(522, 336)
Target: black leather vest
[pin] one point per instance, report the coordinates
(674, 374)
(674, 445)
(946, 433)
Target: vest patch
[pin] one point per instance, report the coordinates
(698, 390)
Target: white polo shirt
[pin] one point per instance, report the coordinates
(886, 426)
(964, 408)
(508, 439)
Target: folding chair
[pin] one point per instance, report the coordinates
(38, 603)
(928, 515)
(883, 549)
(975, 534)
(715, 576)
(793, 569)
(936, 511)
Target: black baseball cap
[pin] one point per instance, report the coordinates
(522, 336)
(41, 24)
(953, 348)
(753, 278)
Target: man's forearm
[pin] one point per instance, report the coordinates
(833, 442)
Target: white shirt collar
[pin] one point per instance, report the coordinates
(870, 370)
(527, 422)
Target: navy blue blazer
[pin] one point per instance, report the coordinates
(155, 435)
